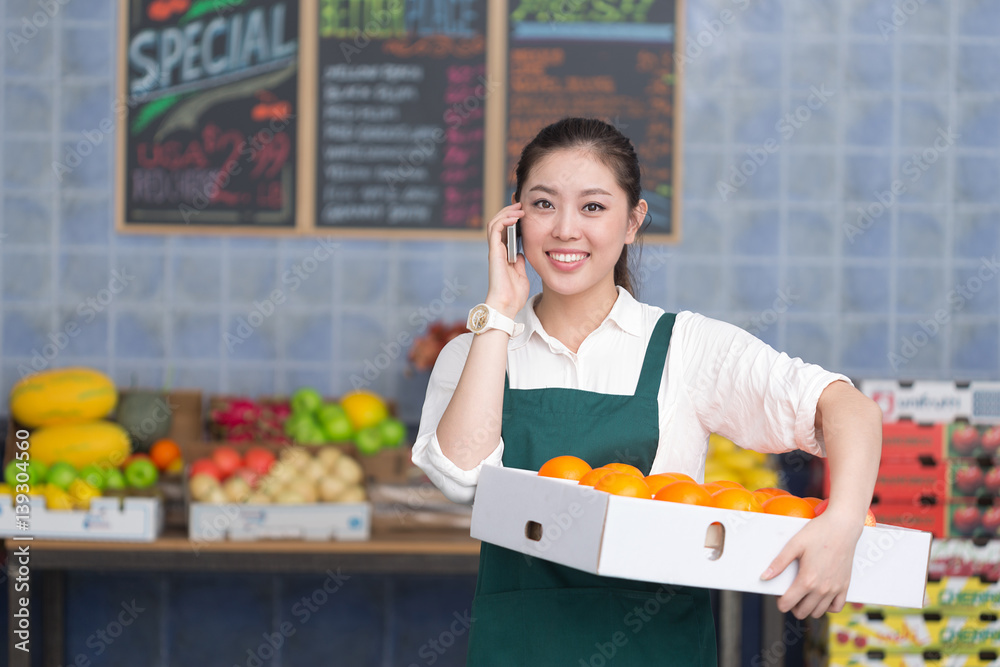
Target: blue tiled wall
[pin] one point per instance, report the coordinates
(851, 96)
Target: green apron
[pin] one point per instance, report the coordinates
(530, 612)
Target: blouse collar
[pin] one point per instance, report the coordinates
(626, 314)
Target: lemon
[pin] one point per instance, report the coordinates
(364, 408)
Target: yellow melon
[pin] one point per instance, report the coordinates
(62, 396)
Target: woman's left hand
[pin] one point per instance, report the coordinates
(825, 550)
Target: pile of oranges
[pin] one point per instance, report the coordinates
(627, 480)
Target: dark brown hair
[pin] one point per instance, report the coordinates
(609, 146)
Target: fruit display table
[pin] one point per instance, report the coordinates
(445, 552)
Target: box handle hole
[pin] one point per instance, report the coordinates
(533, 531)
(715, 540)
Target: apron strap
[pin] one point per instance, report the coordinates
(656, 355)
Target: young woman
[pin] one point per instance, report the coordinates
(585, 369)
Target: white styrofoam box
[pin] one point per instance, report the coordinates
(646, 540)
(111, 519)
(934, 401)
(209, 522)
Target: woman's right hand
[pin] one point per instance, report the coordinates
(509, 286)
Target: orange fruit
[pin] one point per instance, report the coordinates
(660, 480)
(625, 468)
(564, 467)
(736, 499)
(622, 484)
(683, 491)
(771, 491)
(591, 478)
(164, 452)
(364, 408)
(789, 506)
(680, 476)
(813, 501)
(727, 484)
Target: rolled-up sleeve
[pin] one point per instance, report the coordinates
(456, 484)
(747, 391)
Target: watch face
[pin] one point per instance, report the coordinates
(477, 318)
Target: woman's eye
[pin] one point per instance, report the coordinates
(593, 207)
(543, 203)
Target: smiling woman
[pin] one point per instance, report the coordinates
(584, 369)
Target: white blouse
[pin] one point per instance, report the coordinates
(717, 378)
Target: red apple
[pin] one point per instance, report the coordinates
(251, 477)
(206, 467)
(991, 520)
(969, 479)
(993, 480)
(965, 520)
(259, 460)
(991, 440)
(965, 440)
(228, 460)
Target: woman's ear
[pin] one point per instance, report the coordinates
(635, 220)
(513, 197)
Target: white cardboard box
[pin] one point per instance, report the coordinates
(210, 522)
(108, 519)
(646, 540)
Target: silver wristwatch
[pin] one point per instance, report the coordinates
(483, 318)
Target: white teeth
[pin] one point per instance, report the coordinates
(559, 257)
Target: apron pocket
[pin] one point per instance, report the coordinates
(592, 627)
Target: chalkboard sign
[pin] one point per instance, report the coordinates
(208, 95)
(401, 96)
(607, 60)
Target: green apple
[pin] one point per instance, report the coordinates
(368, 440)
(393, 432)
(42, 469)
(334, 421)
(62, 474)
(305, 400)
(141, 473)
(94, 475)
(114, 480)
(15, 468)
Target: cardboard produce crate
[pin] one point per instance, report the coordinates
(560, 521)
(313, 521)
(928, 630)
(129, 519)
(922, 659)
(954, 594)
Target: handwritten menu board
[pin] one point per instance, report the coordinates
(208, 129)
(401, 93)
(607, 60)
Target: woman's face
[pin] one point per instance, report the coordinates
(576, 221)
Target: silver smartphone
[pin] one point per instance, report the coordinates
(512, 243)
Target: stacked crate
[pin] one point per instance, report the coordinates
(938, 473)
